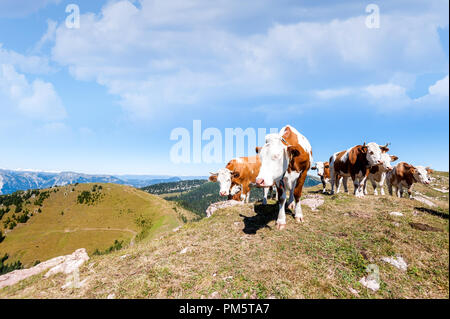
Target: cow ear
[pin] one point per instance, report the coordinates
(314, 167)
(293, 151)
(394, 158)
(287, 132)
(235, 174)
(429, 170)
(364, 149)
(213, 178)
(258, 149)
(384, 149)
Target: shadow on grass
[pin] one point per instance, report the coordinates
(264, 215)
(320, 191)
(432, 212)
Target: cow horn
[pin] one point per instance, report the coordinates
(214, 174)
(364, 143)
(387, 144)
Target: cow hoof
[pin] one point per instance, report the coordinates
(281, 226)
(299, 219)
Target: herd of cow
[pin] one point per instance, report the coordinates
(284, 160)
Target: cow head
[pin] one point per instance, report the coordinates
(235, 189)
(373, 153)
(386, 160)
(275, 156)
(320, 167)
(421, 174)
(385, 148)
(223, 176)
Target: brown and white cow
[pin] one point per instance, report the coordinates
(404, 175)
(323, 170)
(355, 163)
(237, 176)
(377, 173)
(285, 160)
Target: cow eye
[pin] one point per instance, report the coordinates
(371, 153)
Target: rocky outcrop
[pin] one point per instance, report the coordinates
(65, 264)
(219, 205)
(313, 201)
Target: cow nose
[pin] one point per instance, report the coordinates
(222, 193)
(259, 181)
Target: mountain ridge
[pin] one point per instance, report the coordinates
(14, 180)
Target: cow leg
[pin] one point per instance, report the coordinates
(361, 182)
(246, 192)
(332, 179)
(291, 202)
(337, 183)
(374, 185)
(364, 187)
(355, 186)
(400, 191)
(324, 184)
(410, 191)
(381, 183)
(344, 180)
(389, 185)
(281, 220)
(297, 194)
(266, 191)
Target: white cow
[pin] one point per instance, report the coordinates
(377, 173)
(285, 160)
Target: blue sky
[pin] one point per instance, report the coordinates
(104, 98)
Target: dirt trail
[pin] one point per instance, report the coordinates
(99, 229)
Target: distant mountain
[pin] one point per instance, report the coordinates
(14, 180)
(11, 181)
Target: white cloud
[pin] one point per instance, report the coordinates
(388, 90)
(391, 96)
(188, 52)
(29, 64)
(333, 93)
(37, 100)
(48, 36)
(440, 87)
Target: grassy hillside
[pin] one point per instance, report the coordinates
(93, 216)
(238, 253)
